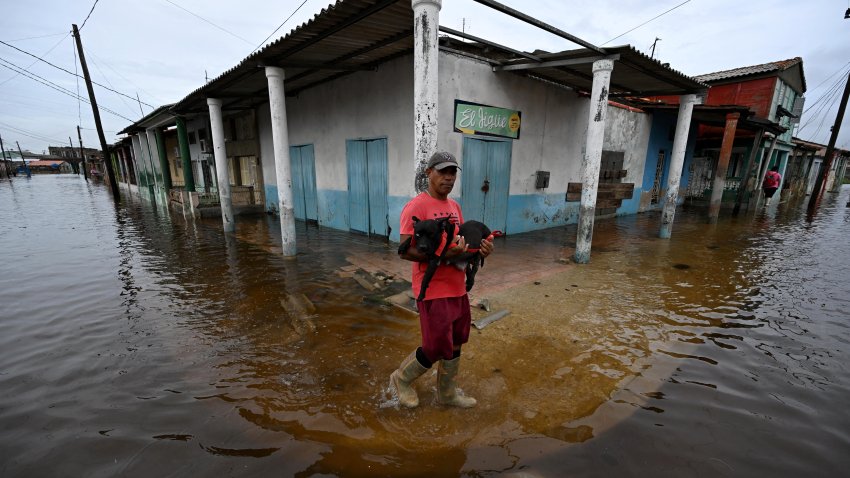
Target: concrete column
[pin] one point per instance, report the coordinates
(719, 184)
(139, 161)
(746, 179)
(131, 174)
(426, 22)
(592, 157)
(163, 160)
(809, 168)
(783, 166)
(282, 165)
(148, 143)
(185, 156)
(677, 162)
(221, 170)
(764, 167)
(840, 169)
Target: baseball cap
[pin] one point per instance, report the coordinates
(441, 160)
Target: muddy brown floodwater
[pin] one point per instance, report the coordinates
(135, 342)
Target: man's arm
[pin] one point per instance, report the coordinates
(412, 254)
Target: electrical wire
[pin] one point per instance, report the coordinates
(281, 26)
(211, 23)
(644, 23)
(110, 84)
(40, 36)
(24, 132)
(54, 86)
(828, 98)
(43, 54)
(87, 16)
(70, 72)
(105, 63)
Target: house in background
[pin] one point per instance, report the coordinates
(774, 93)
(51, 166)
(761, 104)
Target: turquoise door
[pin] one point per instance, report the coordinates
(485, 181)
(367, 186)
(305, 199)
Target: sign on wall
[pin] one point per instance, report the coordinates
(473, 118)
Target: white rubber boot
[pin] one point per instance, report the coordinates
(447, 393)
(409, 370)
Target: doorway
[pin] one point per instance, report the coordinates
(367, 186)
(305, 199)
(485, 182)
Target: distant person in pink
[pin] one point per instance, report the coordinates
(771, 183)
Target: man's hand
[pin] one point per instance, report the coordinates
(458, 248)
(486, 248)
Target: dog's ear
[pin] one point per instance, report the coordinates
(415, 219)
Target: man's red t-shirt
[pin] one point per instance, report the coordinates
(448, 280)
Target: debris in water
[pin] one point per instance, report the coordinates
(480, 324)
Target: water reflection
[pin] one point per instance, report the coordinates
(170, 347)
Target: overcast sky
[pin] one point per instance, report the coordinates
(161, 50)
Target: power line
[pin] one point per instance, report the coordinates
(54, 86)
(40, 36)
(110, 83)
(69, 72)
(830, 76)
(211, 23)
(24, 132)
(43, 54)
(105, 63)
(87, 16)
(644, 23)
(281, 26)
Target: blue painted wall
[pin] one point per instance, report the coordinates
(660, 137)
(530, 212)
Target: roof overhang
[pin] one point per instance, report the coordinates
(358, 35)
(348, 36)
(159, 117)
(634, 74)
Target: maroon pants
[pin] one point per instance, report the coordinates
(445, 325)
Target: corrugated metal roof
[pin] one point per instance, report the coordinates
(634, 75)
(348, 36)
(149, 120)
(353, 35)
(774, 66)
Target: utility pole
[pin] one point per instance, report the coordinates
(104, 148)
(5, 163)
(75, 164)
(82, 154)
(26, 167)
(830, 149)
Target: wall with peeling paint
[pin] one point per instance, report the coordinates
(551, 139)
(380, 104)
(628, 131)
(369, 104)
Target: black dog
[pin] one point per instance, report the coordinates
(473, 232)
(433, 237)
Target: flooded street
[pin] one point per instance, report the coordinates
(135, 342)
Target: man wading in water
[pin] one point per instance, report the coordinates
(444, 315)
